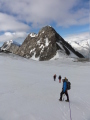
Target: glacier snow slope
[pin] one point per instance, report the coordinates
(28, 91)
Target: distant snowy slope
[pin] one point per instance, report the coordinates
(81, 46)
(80, 42)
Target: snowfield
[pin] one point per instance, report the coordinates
(28, 91)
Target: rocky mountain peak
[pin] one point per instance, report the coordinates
(44, 45)
(41, 46)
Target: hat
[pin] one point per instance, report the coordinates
(65, 78)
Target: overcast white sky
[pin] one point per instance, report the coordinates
(20, 17)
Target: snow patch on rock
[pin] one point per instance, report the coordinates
(33, 34)
(34, 58)
(46, 42)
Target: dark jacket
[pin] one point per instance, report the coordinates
(59, 77)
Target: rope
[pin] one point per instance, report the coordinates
(70, 111)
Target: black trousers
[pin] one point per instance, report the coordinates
(66, 93)
(54, 78)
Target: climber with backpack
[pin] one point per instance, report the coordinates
(59, 78)
(66, 87)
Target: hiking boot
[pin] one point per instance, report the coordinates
(67, 100)
(60, 99)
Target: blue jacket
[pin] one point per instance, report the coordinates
(64, 86)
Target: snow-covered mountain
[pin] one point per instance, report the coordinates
(10, 46)
(82, 46)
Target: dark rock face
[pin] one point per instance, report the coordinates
(13, 48)
(44, 45)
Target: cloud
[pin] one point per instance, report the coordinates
(78, 37)
(10, 23)
(16, 36)
(38, 13)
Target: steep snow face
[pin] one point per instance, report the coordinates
(81, 46)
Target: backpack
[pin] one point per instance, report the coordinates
(68, 85)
